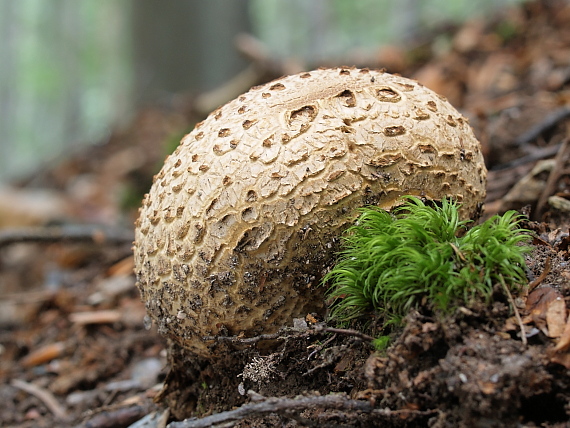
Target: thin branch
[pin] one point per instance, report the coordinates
(44, 395)
(73, 233)
(318, 348)
(517, 314)
(345, 332)
(246, 340)
(547, 123)
(286, 332)
(124, 416)
(536, 155)
(554, 177)
(288, 407)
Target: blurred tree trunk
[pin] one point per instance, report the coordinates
(8, 29)
(65, 78)
(185, 46)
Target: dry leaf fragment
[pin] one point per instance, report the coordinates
(562, 358)
(559, 354)
(538, 303)
(487, 387)
(556, 317)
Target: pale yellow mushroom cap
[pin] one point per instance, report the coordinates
(245, 216)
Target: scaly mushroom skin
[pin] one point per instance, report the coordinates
(245, 215)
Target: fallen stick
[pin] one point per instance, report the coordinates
(536, 155)
(44, 395)
(547, 123)
(290, 408)
(553, 179)
(72, 233)
(286, 332)
(345, 332)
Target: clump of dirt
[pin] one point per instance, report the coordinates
(468, 372)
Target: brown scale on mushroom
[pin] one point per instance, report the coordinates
(247, 213)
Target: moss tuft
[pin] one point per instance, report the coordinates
(423, 255)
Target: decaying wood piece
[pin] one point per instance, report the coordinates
(246, 214)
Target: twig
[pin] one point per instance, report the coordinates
(73, 233)
(536, 282)
(263, 67)
(120, 417)
(292, 406)
(345, 332)
(44, 354)
(550, 121)
(282, 335)
(536, 155)
(246, 340)
(318, 348)
(208, 101)
(553, 178)
(44, 395)
(108, 316)
(502, 177)
(517, 314)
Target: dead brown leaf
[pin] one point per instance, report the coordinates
(564, 342)
(538, 304)
(556, 317)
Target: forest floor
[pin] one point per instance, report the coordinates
(75, 349)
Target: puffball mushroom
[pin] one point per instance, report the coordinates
(246, 214)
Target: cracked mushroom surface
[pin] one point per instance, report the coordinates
(245, 216)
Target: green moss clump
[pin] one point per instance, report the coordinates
(423, 255)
